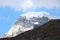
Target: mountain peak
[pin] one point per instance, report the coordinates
(23, 23)
(38, 14)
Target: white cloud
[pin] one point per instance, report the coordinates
(30, 4)
(46, 3)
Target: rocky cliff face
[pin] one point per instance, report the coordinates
(48, 31)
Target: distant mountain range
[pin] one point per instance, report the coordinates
(48, 31)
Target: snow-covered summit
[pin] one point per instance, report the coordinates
(38, 14)
(28, 21)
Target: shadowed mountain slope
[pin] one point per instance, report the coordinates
(48, 31)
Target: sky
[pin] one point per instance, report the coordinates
(10, 10)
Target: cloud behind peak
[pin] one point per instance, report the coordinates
(30, 4)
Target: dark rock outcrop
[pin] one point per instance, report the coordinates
(48, 31)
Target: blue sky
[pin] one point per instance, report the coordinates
(7, 18)
(11, 9)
